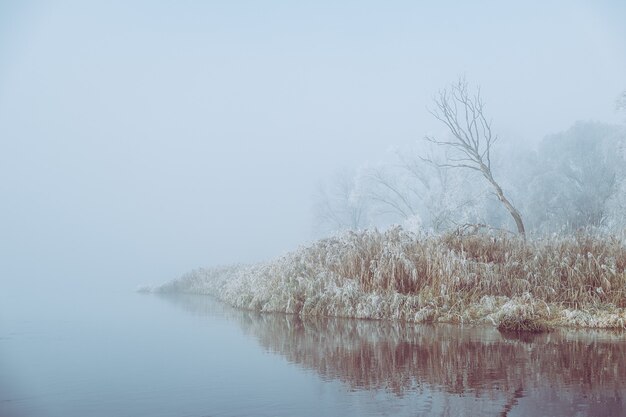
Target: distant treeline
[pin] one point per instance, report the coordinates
(572, 180)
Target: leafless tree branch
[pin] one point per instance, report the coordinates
(472, 137)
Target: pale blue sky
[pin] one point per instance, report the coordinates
(142, 139)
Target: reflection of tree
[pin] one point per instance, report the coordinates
(575, 367)
(512, 402)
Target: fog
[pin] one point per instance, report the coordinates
(138, 141)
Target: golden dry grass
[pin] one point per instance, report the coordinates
(577, 280)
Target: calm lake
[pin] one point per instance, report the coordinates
(148, 355)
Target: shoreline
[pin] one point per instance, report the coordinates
(575, 281)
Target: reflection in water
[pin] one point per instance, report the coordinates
(565, 372)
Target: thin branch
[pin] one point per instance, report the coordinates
(472, 136)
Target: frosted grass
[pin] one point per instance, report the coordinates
(398, 275)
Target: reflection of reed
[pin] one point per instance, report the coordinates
(401, 357)
(371, 355)
(389, 357)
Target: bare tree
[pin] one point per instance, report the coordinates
(471, 137)
(340, 204)
(577, 175)
(391, 194)
(445, 198)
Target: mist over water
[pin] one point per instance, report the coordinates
(140, 140)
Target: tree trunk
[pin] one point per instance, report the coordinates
(507, 204)
(463, 114)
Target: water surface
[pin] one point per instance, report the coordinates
(133, 354)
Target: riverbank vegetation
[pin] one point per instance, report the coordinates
(455, 259)
(455, 277)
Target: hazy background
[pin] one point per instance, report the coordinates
(141, 139)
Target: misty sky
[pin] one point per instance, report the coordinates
(142, 139)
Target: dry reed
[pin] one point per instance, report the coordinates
(577, 280)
